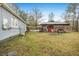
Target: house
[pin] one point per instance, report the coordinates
(10, 23)
(55, 27)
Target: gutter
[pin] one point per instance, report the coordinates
(11, 11)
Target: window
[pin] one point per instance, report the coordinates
(11, 22)
(5, 24)
(14, 23)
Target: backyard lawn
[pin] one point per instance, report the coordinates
(42, 44)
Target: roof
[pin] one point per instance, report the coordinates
(45, 23)
(11, 11)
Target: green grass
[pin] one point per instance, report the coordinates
(43, 44)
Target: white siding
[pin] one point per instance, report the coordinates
(0, 19)
(13, 31)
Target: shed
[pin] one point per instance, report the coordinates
(55, 27)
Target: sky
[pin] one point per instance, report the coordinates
(57, 8)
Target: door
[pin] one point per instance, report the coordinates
(50, 28)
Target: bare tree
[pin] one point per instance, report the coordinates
(51, 17)
(71, 10)
(76, 22)
(23, 15)
(36, 13)
(31, 21)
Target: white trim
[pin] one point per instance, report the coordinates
(4, 5)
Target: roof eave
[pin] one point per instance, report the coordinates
(11, 11)
(54, 24)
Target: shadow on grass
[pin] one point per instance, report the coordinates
(5, 45)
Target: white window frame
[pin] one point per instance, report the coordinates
(14, 23)
(5, 24)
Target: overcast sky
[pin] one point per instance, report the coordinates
(46, 8)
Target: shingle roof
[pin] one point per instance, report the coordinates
(44, 23)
